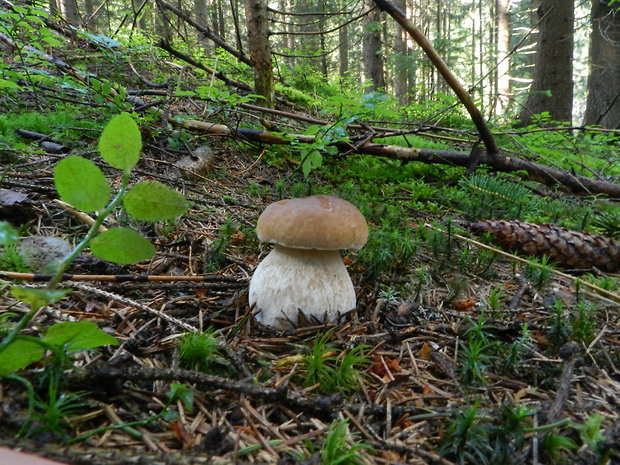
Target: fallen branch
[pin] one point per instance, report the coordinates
(124, 278)
(541, 173)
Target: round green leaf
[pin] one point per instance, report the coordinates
(81, 183)
(78, 335)
(154, 201)
(123, 246)
(19, 354)
(37, 298)
(120, 142)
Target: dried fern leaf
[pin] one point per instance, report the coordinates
(572, 249)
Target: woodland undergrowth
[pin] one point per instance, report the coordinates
(456, 352)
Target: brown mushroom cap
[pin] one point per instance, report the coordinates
(319, 222)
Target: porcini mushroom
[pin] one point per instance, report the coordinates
(304, 272)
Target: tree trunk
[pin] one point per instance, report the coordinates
(371, 50)
(260, 50)
(221, 20)
(201, 13)
(552, 87)
(343, 52)
(234, 9)
(90, 20)
(401, 63)
(603, 104)
(503, 60)
(70, 12)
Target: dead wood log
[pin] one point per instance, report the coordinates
(540, 173)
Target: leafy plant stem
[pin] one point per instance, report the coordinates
(53, 283)
(21, 324)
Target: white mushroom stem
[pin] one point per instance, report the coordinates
(313, 281)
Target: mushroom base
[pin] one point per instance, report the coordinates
(288, 281)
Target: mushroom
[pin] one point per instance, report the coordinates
(304, 272)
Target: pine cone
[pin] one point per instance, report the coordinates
(568, 248)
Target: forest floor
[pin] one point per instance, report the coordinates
(252, 406)
(455, 354)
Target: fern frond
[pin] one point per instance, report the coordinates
(497, 188)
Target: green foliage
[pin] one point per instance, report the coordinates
(198, 351)
(120, 143)
(25, 26)
(12, 260)
(311, 153)
(19, 354)
(123, 246)
(77, 336)
(333, 370)
(484, 196)
(475, 260)
(56, 122)
(490, 197)
(581, 153)
(216, 254)
(154, 201)
(590, 431)
(60, 337)
(495, 298)
(49, 410)
(466, 440)
(337, 450)
(514, 353)
(72, 174)
(609, 222)
(499, 436)
(555, 446)
(81, 182)
(538, 272)
(37, 298)
(8, 234)
(442, 244)
(182, 392)
(387, 249)
(559, 331)
(583, 324)
(477, 353)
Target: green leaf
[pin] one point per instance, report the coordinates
(37, 298)
(123, 246)
(8, 234)
(314, 159)
(120, 143)
(183, 393)
(78, 335)
(8, 84)
(19, 354)
(154, 201)
(81, 183)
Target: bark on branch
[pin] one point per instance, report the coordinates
(541, 173)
